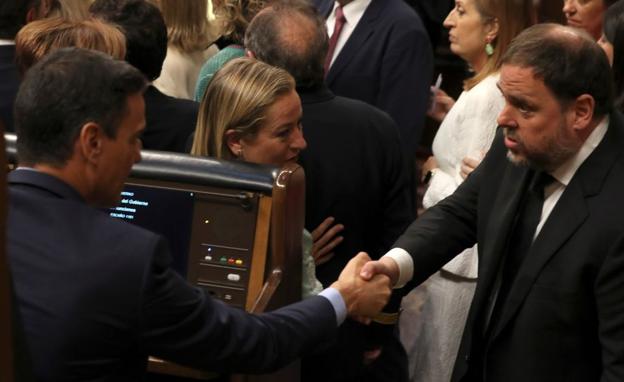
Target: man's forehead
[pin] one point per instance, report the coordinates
(519, 78)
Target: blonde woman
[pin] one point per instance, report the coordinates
(479, 32)
(71, 10)
(190, 44)
(252, 112)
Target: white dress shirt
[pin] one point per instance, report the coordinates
(563, 174)
(353, 12)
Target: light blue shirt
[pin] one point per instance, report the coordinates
(335, 298)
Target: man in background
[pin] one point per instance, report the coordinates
(380, 53)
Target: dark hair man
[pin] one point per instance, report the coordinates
(169, 120)
(96, 294)
(547, 219)
(355, 172)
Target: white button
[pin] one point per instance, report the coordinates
(233, 277)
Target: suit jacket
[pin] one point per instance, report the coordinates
(9, 83)
(97, 296)
(562, 319)
(169, 121)
(387, 62)
(356, 173)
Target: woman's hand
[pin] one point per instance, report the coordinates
(430, 164)
(325, 239)
(469, 163)
(441, 103)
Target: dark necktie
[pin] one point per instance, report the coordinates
(340, 21)
(521, 238)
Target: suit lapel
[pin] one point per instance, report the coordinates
(498, 229)
(362, 32)
(324, 7)
(564, 220)
(568, 215)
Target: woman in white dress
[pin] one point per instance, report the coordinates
(479, 32)
(190, 43)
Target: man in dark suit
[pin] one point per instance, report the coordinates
(549, 300)
(382, 57)
(170, 121)
(355, 172)
(96, 294)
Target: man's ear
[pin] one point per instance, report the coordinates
(582, 112)
(90, 141)
(233, 142)
(250, 54)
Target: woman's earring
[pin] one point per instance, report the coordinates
(489, 49)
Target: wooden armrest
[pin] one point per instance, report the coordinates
(157, 365)
(267, 292)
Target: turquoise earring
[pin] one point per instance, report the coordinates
(489, 49)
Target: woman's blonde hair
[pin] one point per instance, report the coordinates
(237, 99)
(513, 16)
(41, 37)
(188, 28)
(235, 16)
(72, 10)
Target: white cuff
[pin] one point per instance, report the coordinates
(335, 298)
(405, 263)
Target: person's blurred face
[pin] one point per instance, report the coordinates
(280, 139)
(468, 31)
(585, 14)
(607, 47)
(538, 129)
(120, 153)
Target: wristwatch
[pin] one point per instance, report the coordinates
(427, 178)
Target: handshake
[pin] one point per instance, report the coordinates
(364, 287)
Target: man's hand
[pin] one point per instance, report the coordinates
(384, 266)
(362, 298)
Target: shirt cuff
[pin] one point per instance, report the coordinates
(405, 263)
(335, 298)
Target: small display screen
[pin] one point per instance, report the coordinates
(164, 211)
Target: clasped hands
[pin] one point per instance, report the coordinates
(366, 285)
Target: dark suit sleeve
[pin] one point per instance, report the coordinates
(404, 81)
(182, 324)
(447, 228)
(609, 290)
